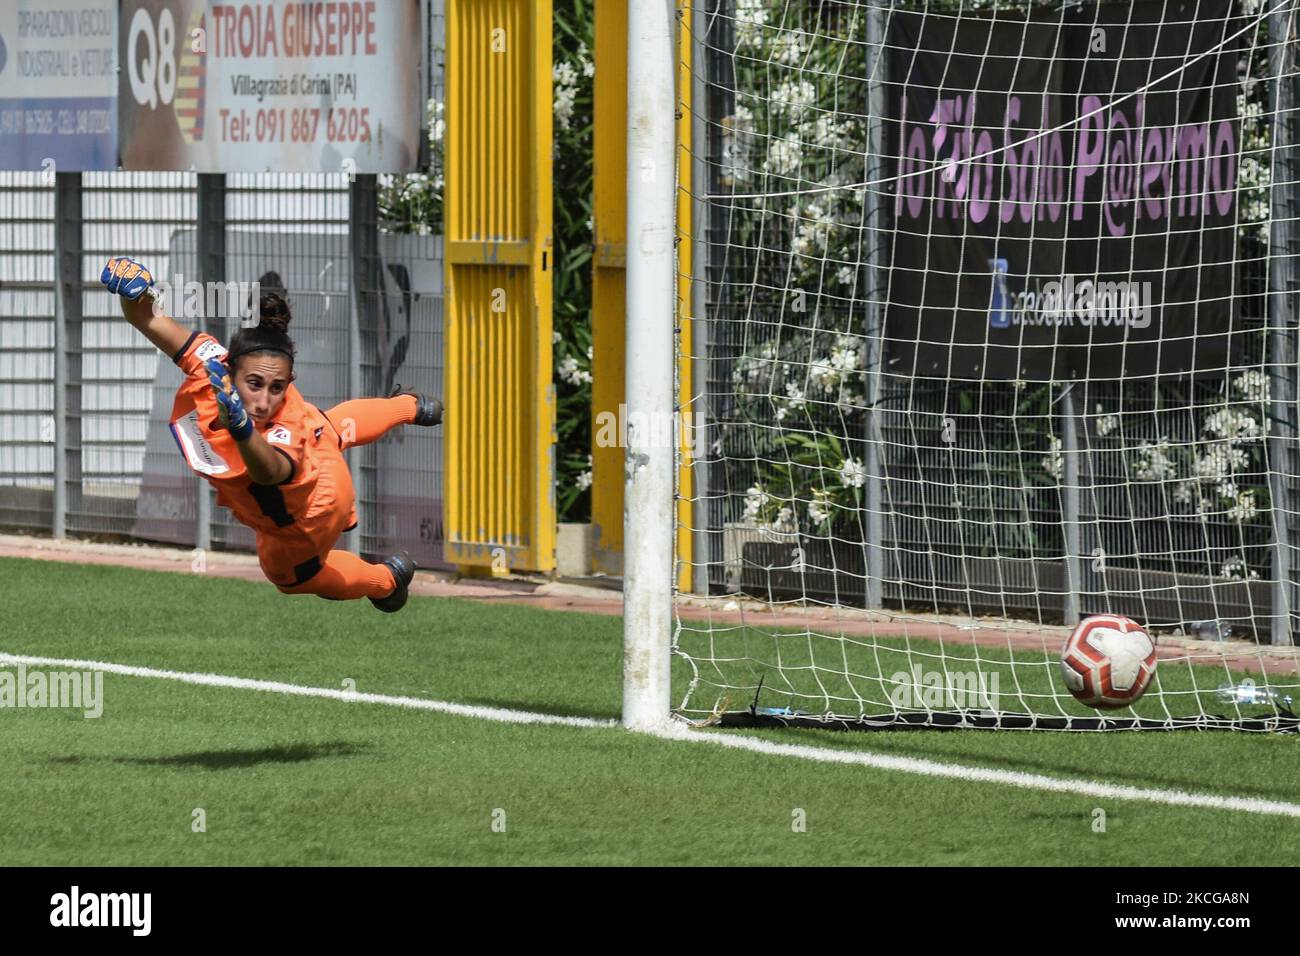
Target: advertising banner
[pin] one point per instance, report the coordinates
(1066, 193)
(58, 85)
(318, 86)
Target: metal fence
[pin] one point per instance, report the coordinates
(27, 295)
(84, 400)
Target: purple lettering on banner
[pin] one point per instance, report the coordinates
(1225, 156)
(955, 171)
(1007, 206)
(1118, 177)
(948, 112)
(916, 182)
(940, 117)
(958, 167)
(1137, 159)
(1153, 151)
(1089, 154)
(904, 178)
(1167, 170)
(965, 172)
(982, 177)
(1030, 160)
(942, 191)
(911, 185)
(1052, 180)
(1193, 149)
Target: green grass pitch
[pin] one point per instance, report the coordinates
(290, 780)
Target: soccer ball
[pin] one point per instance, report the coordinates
(1108, 661)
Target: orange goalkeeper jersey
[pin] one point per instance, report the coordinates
(319, 483)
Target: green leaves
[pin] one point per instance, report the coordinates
(573, 39)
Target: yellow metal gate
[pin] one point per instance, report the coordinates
(499, 500)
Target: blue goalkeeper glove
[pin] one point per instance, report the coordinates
(126, 277)
(230, 407)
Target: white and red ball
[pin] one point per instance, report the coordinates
(1108, 661)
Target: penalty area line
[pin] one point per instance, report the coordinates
(679, 732)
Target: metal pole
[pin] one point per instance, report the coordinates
(1282, 327)
(363, 243)
(648, 527)
(702, 183)
(874, 213)
(67, 350)
(211, 242)
(1070, 418)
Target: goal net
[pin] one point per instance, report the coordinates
(993, 328)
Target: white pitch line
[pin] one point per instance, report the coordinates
(680, 732)
(498, 714)
(1010, 778)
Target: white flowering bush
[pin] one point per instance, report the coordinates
(1254, 162)
(1237, 568)
(794, 130)
(1054, 461)
(572, 74)
(1196, 462)
(812, 487)
(811, 385)
(412, 202)
(1222, 472)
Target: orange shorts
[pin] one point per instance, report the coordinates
(294, 554)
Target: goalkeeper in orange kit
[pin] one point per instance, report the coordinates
(275, 459)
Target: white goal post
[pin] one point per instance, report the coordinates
(651, 291)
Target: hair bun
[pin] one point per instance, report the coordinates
(274, 313)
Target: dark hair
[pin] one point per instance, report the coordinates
(270, 335)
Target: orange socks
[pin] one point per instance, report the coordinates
(363, 420)
(345, 577)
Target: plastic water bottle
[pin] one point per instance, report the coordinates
(1248, 692)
